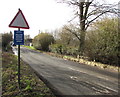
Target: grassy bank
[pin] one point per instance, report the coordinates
(31, 85)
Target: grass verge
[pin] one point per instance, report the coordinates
(83, 61)
(31, 85)
(31, 47)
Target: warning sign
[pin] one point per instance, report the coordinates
(19, 21)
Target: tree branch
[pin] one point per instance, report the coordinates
(74, 33)
(88, 23)
(86, 10)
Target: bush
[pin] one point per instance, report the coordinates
(73, 51)
(42, 41)
(6, 39)
(102, 43)
(63, 49)
(58, 48)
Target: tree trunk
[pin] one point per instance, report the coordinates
(81, 43)
(82, 19)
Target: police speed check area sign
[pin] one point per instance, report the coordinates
(18, 37)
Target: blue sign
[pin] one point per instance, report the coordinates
(18, 37)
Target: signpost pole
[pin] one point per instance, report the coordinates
(19, 21)
(19, 63)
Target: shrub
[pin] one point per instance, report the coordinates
(102, 43)
(63, 49)
(42, 41)
(58, 48)
(6, 39)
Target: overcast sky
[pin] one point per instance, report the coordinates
(40, 14)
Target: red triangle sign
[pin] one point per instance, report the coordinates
(19, 21)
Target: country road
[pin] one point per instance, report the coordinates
(71, 78)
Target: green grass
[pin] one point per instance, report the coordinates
(31, 47)
(31, 85)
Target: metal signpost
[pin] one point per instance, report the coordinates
(19, 21)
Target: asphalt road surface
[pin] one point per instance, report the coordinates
(71, 78)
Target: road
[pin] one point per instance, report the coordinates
(71, 78)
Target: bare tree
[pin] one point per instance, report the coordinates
(87, 11)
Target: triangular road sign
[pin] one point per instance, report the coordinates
(19, 21)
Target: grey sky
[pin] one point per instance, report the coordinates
(40, 14)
